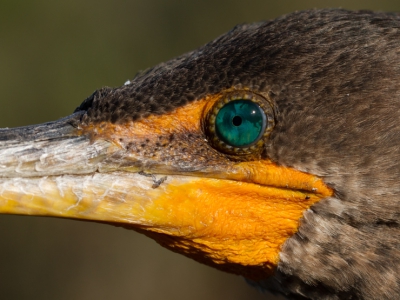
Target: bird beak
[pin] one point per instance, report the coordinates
(231, 215)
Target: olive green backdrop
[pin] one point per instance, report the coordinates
(53, 54)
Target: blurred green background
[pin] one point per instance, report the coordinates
(53, 54)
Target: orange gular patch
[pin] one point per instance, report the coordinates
(234, 226)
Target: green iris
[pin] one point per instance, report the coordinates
(240, 123)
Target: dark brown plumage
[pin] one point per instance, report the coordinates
(334, 79)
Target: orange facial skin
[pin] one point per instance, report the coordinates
(233, 214)
(182, 120)
(235, 226)
(238, 217)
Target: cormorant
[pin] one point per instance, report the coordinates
(271, 152)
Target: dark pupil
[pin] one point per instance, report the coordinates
(240, 123)
(237, 120)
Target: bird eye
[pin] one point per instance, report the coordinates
(239, 122)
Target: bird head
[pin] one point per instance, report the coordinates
(270, 152)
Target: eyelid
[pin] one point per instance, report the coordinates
(239, 153)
